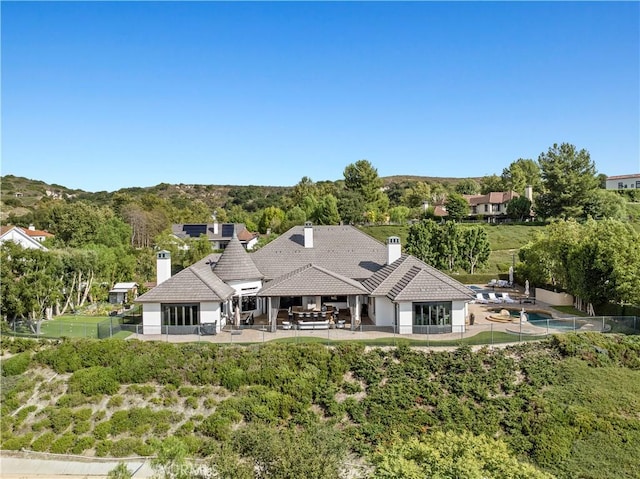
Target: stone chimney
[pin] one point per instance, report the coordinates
(163, 266)
(308, 235)
(394, 250)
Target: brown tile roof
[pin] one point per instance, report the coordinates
(495, 197)
(409, 279)
(312, 280)
(193, 284)
(37, 233)
(344, 250)
(623, 177)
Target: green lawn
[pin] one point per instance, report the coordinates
(71, 326)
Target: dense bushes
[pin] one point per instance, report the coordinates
(214, 398)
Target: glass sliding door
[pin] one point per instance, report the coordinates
(430, 318)
(180, 318)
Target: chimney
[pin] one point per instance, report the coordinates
(308, 235)
(163, 266)
(394, 250)
(32, 228)
(215, 223)
(528, 193)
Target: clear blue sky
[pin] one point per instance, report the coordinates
(101, 96)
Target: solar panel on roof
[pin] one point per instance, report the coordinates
(194, 231)
(227, 230)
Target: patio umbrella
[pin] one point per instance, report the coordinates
(526, 288)
(510, 275)
(237, 316)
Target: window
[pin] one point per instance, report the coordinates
(486, 208)
(432, 317)
(248, 303)
(620, 185)
(638, 184)
(180, 314)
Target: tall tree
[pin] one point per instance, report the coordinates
(362, 178)
(467, 186)
(326, 211)
(519, 208)
(568, 179)
(422, 241)
(491, 183)
(457, 207)
(520, 174)
(474, 248)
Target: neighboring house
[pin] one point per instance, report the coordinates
(38, 235)
(623, 182)
(491, 204)
(23, 237)
(123, 293)
(218, 234)
(308, 266)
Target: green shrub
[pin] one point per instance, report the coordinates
(161, 428)
(81, 427)
(191, 402)
(16, 443)
(60, 419)
(16, 365)
(42, 443)
(103, 448)
(22, 414)
(125, 447)
(83, 414)
(93, 381)
(350, 387)
(115, 401)
(63, 444)
(82, 443)
(71, 400)
(40, 425)
(99, 415)
(102, 430)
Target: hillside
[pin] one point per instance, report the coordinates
(568, 405)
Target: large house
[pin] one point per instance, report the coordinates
(307, 268)
(623, 182)
(25, 237)
(218, 234)
(491, 204)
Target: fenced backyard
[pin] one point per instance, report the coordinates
(475, 335)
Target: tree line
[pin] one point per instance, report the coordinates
(101, 239)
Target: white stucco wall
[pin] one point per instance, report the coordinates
(384, 312)
(458, 316)
(151, 318)
(405, 320)
(209, 313)
(22, 239)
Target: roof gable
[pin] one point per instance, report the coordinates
(409, 279)
(312, 280)
(193, 284)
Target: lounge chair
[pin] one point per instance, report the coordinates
(493, 298)
(507, 299)
(481, 299)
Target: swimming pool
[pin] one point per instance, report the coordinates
(545, 320)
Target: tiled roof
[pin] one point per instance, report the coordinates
(409, 279)
(343, 249)
(495, 197)
(312, 280)
(193, 284)
(235, 263)
(37, 233)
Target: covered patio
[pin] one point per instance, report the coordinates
(308, 297)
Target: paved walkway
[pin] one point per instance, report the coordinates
(18, 465)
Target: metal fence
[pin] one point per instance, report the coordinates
(477, 334)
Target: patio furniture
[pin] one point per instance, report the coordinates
(340, 324)
(286, 325)
(481, 299)
(493, 298)
(507, 299)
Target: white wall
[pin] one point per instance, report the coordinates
(458, 316)
(209, 313)
(151, 318)
(627, 183)
(22, 239)
(384, 311)
(405, 321)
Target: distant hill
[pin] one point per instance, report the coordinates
(19, 194)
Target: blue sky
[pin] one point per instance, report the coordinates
(107, 95)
